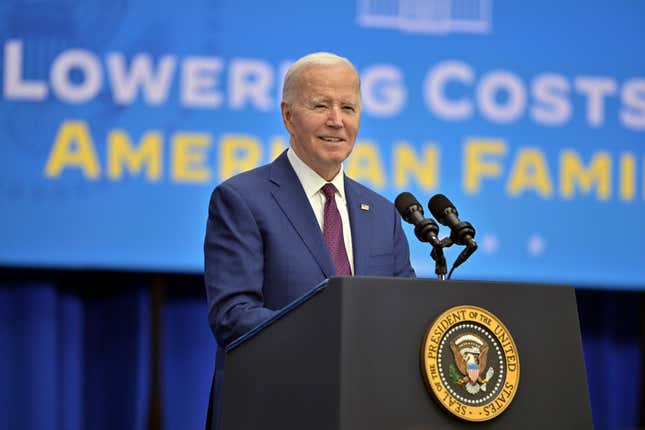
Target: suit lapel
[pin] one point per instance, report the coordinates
(291, 198)
(360, 219)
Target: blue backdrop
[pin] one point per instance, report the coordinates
(118, 119)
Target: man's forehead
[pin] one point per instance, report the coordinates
(320, 83)
(326, 73)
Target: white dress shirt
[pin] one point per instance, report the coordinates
(312, 183)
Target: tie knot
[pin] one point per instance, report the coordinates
(329, 190)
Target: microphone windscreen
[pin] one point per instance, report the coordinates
(403, 202)
(438, 204)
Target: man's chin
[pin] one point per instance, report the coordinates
(335, 162)
(336, 156)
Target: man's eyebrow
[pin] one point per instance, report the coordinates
(317, 99)
(325, 99)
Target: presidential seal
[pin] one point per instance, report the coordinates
(470, 363)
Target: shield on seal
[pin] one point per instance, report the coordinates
(473, 372)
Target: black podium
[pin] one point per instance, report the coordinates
(348, 357)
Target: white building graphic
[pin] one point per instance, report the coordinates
(427, 16)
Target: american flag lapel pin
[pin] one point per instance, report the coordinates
(365, 206)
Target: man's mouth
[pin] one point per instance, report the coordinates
(331, 139)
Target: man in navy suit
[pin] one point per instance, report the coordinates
(277, 231)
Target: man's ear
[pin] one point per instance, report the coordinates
(287, 116)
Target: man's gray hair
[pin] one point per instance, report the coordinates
(315, 59)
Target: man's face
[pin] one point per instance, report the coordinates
(323, 119)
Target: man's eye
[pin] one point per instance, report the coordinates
(319, 106)
(349, 108)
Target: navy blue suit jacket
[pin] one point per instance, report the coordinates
(264, 247)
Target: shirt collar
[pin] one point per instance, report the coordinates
(311, 181)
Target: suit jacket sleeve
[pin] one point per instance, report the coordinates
(233, 266)
(402, 266)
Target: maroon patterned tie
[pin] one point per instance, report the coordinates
(333, 232)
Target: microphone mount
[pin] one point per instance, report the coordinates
(422, 231)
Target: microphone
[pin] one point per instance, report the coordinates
(411, 211)
(425, 229)
(461, 232)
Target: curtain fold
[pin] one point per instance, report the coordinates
(611, 332)
(69, 360)
(188, 358)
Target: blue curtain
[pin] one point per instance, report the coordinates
(71, 361)
(188, 355)
(75, 352)
(612, 330)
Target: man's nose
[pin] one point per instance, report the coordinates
(334, 119)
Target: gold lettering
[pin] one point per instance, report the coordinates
(408, 164)
(365, 164)
(530, 172)
(73, 147)
(122, 153)
(189, 156)
(238, 153)
(478, 163)
(574, 175)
